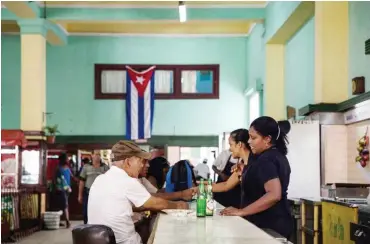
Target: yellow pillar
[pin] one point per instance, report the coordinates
(274, 85)
(33, 75)
(331, 52)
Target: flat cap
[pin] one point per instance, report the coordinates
(125, 149)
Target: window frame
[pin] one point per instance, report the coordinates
(176, 69)
(250, 105)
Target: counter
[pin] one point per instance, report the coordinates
(216, 230)
(311, 220)
(336, 220)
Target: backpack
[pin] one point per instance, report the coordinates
(180, 177)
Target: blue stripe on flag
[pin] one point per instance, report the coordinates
(128, 106)
(141, 111)
(152, 89)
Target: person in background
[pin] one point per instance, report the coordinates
(265, 180)
(88, 175)
(180, 177)
(184, 194)
(83, 162)
(201, 171)
(221, 162)
(223, 168)
(158, 168)
(63, 186)
(114, 194)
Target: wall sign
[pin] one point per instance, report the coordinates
(359, 113)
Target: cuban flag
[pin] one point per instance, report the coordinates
(139, 103)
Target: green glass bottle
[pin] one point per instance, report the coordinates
(201, 201)
(210, 202)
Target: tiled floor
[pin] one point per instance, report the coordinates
(61, 236)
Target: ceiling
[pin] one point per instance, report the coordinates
(67, 15)
(160, 27)
(150, 3)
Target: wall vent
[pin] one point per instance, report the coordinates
(367, 47)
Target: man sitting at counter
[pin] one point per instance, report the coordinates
(113, 194)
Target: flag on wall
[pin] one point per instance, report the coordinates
(139, 103)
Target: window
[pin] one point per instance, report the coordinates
(171, 81)
(254, 107)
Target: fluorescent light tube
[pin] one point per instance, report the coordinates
(182, 12)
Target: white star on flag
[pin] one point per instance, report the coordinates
(140, 80)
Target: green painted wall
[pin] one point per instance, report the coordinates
(70, 89)
(70, 84)
(359, 29)
(256, 59)
(300, 67)
(256, 56)
(276, 14)
(10, 82)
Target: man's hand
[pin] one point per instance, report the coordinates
(182, 205)
(80, 199)
(188, 194)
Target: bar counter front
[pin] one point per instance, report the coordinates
(216, 229)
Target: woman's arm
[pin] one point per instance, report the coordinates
(271, 197)
(227, 185)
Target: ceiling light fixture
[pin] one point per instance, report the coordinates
(182, 11)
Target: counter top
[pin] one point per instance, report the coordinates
(295, 201)
(313, 201)
(216, 230)
(345, 204)
(364, 208)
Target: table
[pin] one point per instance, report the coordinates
(210, 230)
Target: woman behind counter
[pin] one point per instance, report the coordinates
(264, 177)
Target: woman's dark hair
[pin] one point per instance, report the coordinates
(267, 126)
(63, 159)
(156, 167)
(241, 135)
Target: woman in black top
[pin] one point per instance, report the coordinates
(265, 179)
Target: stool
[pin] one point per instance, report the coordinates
(93, 234)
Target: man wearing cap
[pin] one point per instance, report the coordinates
(113, 194)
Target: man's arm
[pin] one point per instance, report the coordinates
(139, 209)
(222, 175)
(141, 198)
(81, 185)
(156, 203)
(185, 195)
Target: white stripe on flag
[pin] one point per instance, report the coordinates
(134, 112)
(147, 111)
